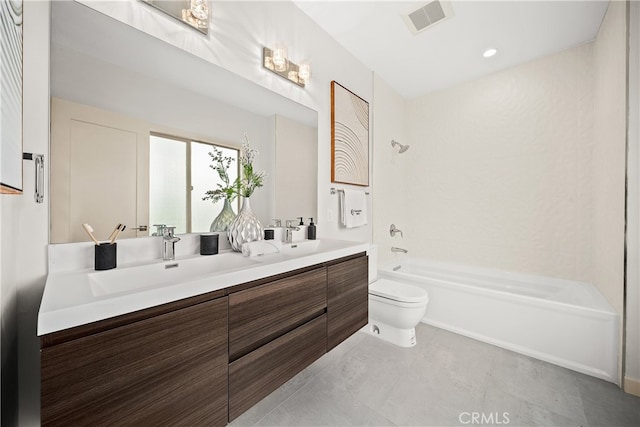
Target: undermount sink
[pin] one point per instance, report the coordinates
(166, 273)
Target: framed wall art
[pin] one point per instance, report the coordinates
(11, 97)
(349, 137)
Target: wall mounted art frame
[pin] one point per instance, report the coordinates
(349, 137)
(11, 97)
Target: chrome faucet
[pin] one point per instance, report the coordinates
(394, 249)
(169, 241)
(288, 233)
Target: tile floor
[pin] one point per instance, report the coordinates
(442, 381)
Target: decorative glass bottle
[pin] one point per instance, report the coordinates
(224, 218)
(245, 227)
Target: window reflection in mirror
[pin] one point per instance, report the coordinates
(180, 174)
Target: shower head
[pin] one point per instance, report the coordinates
(403, 148)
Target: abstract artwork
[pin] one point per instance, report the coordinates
(11, 97)
(349, 137)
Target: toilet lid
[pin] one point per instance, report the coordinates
(398, 291)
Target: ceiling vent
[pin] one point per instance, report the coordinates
(428, 15)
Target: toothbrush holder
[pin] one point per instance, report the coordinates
(106, 256)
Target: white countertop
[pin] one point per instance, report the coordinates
(74, 298)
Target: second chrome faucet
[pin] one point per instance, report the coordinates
(394, 249)
(393, 230)
(169, 240)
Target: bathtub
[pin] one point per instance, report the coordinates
(563, 322)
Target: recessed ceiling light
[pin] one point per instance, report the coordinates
(490, 52)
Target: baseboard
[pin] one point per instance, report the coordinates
(632, 386)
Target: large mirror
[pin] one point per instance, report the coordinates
(108, 101)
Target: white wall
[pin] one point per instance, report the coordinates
(25, 223)
(609, 154)
(296, 170)
(238, 32)
(390, 178)
(632, 373)
(500, 169)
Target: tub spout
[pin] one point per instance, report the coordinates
(394, 249)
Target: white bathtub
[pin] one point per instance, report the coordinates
(560, 321)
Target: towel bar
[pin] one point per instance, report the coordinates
(340, 190)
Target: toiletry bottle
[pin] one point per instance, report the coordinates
(302, 233)
(311, 230)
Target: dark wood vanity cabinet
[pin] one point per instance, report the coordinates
(171, 369)
(204, 360)
(348, 299)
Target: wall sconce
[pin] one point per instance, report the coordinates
(276, 61)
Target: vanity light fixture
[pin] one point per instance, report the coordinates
(276, 61)
(490, 52)
(304, 73)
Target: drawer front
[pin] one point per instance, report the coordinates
(348, 299)
(168, 370)
(254, 376)
(260, 314)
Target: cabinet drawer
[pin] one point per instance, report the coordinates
(348, 299)
(260, 314)
(260, 372)
(167, 370)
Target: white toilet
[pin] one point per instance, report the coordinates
(395, 308)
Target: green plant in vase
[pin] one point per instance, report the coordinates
(249, 180)
(226, 190)
(246, 227)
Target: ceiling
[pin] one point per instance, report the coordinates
(450, 51)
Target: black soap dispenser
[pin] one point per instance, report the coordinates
(311, 230)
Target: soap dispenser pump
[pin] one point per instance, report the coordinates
(311, 230)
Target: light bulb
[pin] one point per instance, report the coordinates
(280, 59)
(304, 72)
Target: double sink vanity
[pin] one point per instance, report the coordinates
(194, 341)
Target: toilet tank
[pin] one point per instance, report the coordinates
(373, 262)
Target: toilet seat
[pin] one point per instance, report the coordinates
(397, 291)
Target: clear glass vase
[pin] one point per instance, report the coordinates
(245, 227)
(224, 218)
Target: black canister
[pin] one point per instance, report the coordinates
(208, 244)
(106, 255)
(268, 235)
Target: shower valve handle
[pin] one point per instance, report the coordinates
(393, 231)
